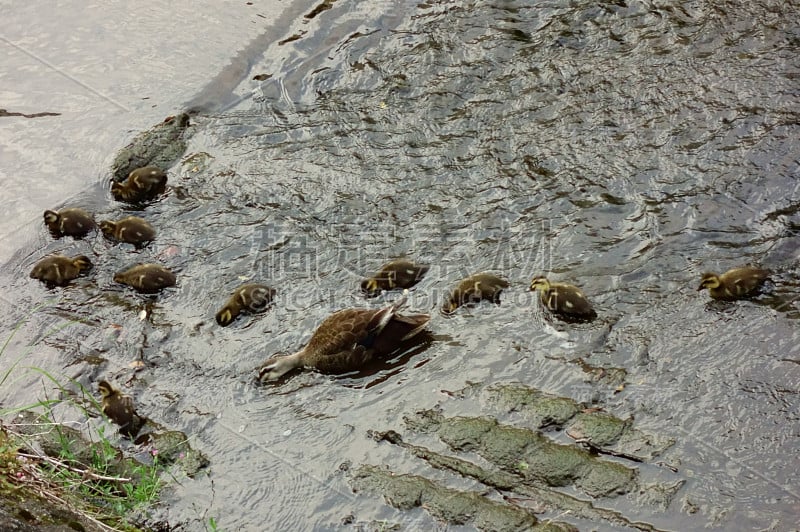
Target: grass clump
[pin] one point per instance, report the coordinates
(50, 473)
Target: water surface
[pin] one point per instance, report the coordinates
(623, 147)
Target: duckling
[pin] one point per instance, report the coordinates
(400, 273)
(473, 289)
(73, 222)
(737, 283)
(133, 230)
(142, 184)
(146, 278)
(59, 270)
(119, 409)
(348, 339)
(250, 297)
(564, 299)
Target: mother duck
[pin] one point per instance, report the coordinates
(348, 339)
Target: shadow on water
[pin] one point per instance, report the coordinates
(623, 147)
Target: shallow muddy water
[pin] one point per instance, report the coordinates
(625, 147)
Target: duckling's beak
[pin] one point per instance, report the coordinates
(702, 285)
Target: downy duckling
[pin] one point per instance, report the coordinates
(119, 409)
(72, 222)
(473, 289)
(738, 283)
(251, 297)
(59, 270)
(400, 273)
(564, 299)
(132, 230)
(146, 278)
(142, 184)
(348, 339)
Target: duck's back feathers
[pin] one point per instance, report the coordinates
(120, 410)
(472, 289)
(348, 339)
(72, 222)
(142, 184)
(400, 273)
(737, 283)
(59, 270)
(250, 297)
(146, 278)
(132, 230)
(566, 300)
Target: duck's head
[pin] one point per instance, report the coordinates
(709, 280)
(454, 300)
(277, 366)
(82, 262)
(540, 283)
(369, 286)
(105, 389)
(108, 227)
(51, 217)
(225, 316)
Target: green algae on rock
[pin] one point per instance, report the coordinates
(455, 507)
(528, 453)
(599, 430)
(159, 146)
(549, 500)
(540, 409)
(173, 447)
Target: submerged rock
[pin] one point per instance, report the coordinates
(172, 447)
(160, 146)
(528, 453)
(540, 409)
(524, 463)
(455, 507)
(599, 430)
(546, 499)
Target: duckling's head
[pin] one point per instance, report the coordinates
(225, 316)
(450, 306)
(540, 283)
(709, 280)
(108, 227)
(276, 367)
(82, 262)
(105, 389)
(369, 286)
(51, 217)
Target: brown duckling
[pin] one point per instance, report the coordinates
(146, 278)
(564, 299)
(132, 230)
(142, 184)
(473, 289)
(59, 269)
(348, 339)
(72, 222)
(400, 273)
(119, 409)
(737, 283)
(251, 297)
